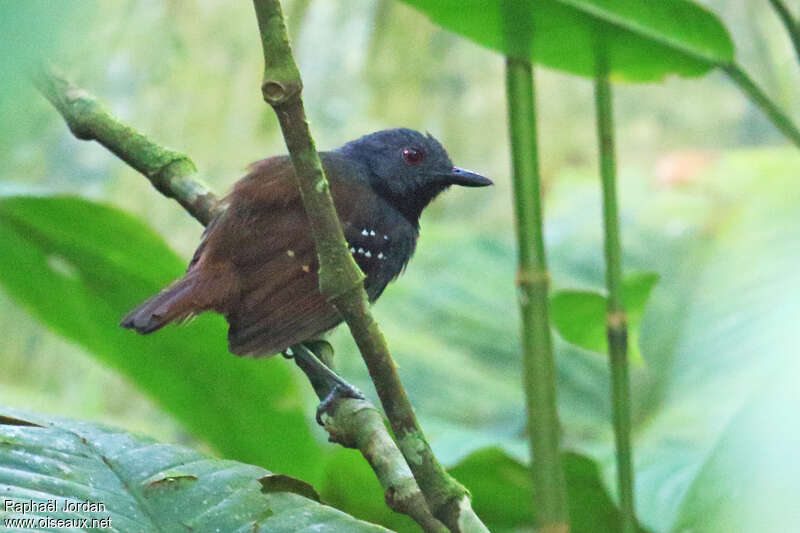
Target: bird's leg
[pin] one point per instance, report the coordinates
(328, 385)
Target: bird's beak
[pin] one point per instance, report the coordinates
(459, 176)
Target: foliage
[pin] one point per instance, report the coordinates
(700, 403)
(714, 405)
(714, 336)
(79, 266)
(580, 316)
(147, 486)
(87, 259)
(645, 40)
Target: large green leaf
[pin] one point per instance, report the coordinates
(503, 496)
(145, 486)
(644, 40)
(79, 267)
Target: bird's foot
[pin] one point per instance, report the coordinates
(340, 390)
(328, 385)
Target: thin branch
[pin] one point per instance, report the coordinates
(757, 95)
(550, 494)
(616, 326)
(340, 279)
(791, 24)
(171, 173)
(353, 423)
(358, 424)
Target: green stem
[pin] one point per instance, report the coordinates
(550, 495)
(791, 24)
(757, 95)
(617, 329)
(342, 282)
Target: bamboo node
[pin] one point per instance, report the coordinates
(617, 320)
(531, 277)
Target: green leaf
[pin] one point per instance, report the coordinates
(145, 486)
(644, 41)
(580, 316)
(502, 494)
(79, 267)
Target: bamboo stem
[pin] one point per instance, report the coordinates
(617, 329)
(550, 495)
(757, 95)
(791, 24)
(342, 282)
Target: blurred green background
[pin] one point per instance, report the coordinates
(709, 198)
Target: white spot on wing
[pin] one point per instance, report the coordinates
(368, 254)
(290, 253)
(364, 232)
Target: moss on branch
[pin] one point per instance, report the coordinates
(171, 173)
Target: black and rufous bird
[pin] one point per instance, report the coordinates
(257, 264)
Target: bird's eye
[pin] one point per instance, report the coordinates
(413, 156)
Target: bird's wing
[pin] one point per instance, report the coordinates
(265, 237)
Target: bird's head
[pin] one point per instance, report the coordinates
(408, 169)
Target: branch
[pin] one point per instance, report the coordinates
(340, 279)
(533, 279)
(791, 24)
(757, 95)
(617, 327)
(352, 423)
(170, 172)
(358, 424)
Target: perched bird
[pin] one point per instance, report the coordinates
(257, 264)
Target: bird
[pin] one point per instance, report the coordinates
(257, 264)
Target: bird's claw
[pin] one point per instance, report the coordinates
(339, 391)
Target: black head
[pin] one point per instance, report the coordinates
(408, 169)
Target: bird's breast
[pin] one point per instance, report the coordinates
(380, 252)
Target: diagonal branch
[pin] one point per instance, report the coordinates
(792, 25)
(756, 94)
(352, 423)
(171, 173)
(342, 282)
(358, 424)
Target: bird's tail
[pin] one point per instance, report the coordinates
(176, 303)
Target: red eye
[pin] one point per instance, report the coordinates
(413, 156)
